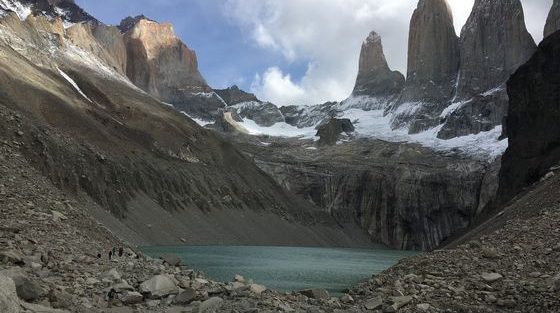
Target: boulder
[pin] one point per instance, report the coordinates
(27, 289)
(373, 304)
(9, 302)
(257, 289)
(131, 297)
(491, 277)
(112, 275)
(315, 293)
(185, 297)
(11, 257)
(171, 259)
(211, 305)
(329, 133)
(158, 286)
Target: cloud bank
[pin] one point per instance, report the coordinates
(327, 36)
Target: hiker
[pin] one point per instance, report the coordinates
(111, 297)
(121, 251)
(99, 255)
(110, 254)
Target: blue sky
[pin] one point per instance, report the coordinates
(290, 51)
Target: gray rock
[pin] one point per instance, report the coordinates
(491, 277)
(112, 275)
(11, 257)
(423, 307)
(36, 308)
(185, 297)
(211, 305)
(158, 286)
(257, 289)
(315, 293)
(374, 304)
(27, 289)
(263, 113)
(553, 20)
(346, 298)
(9, 302)
(171, 259)
(131, 297)
(375, 79)
(397, 303)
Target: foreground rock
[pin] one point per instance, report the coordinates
(330, 132)
(9, 302)
(532, 125)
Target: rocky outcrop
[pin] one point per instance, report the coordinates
(532, 120)
(375, 79)
(233, 95)
(66, 9)
(159, 63)
(433, 62)
(494, 43)
(263, 113)
(553, 20)
(329, 133)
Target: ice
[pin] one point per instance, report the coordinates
(73, 83)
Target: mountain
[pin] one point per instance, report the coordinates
(532, 128)
(433, 63)
(66, 9)
(553, 20)
(375, 79)
(494, 43)
(154, 175)
(233, 95)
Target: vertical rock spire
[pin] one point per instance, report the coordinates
(494, 43)
(433, 62)
(375, 78)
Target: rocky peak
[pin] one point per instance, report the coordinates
(433, 53)
(553, 20)
(374, 76)
(233, 95)
(66, 9)
(494, 43)
(159, 62)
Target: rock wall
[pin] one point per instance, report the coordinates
(553, 20)
(532, 120)
(404, 196)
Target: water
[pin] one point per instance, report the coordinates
(286, 268)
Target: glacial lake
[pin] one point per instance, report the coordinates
(286, 268)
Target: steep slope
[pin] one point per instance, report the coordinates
(159, 63)
(375, 79)
(532, 127)
(66, 9)
(494, 43)
(553, 21)
(433, 62)
(163, 178)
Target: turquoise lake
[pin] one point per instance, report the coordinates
(286, 268)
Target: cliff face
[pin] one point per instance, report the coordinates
(532, 120)
(553, 20)
(433, 62)
(233, 95)
(159, 63)
(375, 79)
(494, 43)
(403, 196)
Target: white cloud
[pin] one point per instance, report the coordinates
(328, 35)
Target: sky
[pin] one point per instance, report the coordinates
(290, 51)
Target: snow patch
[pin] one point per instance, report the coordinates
(278, 130)
(363, 102)
(21, 10)
(453, 107)
(199, 121)
(493, 91)
(73, 83)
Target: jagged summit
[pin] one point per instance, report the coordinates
(553, 20)
(375, 79)
(129, 22)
